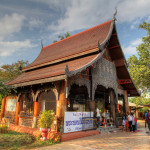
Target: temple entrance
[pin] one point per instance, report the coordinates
(102, 100)
(78, 99)
(105, 102)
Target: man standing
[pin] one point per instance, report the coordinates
(130, 121)
(148, 120)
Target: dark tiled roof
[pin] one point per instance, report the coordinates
(76, 44)
(51, 71)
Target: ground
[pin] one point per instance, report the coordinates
(119, 140)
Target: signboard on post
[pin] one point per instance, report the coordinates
(77, 121)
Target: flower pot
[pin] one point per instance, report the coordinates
(44, 134)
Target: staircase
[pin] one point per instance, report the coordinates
(107, 129)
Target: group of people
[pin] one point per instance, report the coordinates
(101, 121)
(130, 122)
(147, 119)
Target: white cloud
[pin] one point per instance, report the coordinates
(86, 13)
(9, 48)
(131, 10)
(11, 24)
(35, 23)
(131, 49)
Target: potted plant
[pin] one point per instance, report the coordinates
(45, 122)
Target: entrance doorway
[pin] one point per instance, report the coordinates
(77, 99)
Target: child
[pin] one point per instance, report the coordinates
(103, 121)
(127, 125)
(123, 124)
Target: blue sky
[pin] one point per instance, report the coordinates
(24, 23)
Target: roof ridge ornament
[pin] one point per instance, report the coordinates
(114, 18)
(67, 69)
(41, 44)
(99, 47)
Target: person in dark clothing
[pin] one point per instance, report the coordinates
(148, 119)
(145, 119)
(130, 121)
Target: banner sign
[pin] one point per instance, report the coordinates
(77, 121)
(11, 104)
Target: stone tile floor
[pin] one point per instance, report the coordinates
(119, 140)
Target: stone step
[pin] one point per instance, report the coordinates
(107, 129)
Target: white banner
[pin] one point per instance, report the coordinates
(77, 121)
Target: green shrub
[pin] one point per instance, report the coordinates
(46, 119)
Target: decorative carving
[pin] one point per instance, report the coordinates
(18, 97)
(79, 81)
(67, 70)
(104, 74)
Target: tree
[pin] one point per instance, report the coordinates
(61, 37)
(8, 73)
(139, 67)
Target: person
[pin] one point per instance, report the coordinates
(127, 125)
(148, 120)
(103, 121)
(123, 123)
(133, 122)
(98, 117)
(145, 118)
(130, 121)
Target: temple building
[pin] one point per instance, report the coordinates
(83, 72)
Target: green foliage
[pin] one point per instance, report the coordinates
(8, 73)
(46, 119)
(61, 37)
(14, 140)
(140, 100)
(4, 90)
(143, 110)
(139, 68)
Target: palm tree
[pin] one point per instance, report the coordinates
(61, 37)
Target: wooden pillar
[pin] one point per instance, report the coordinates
(92, 103)
(3, 107)
(62, 102)
(18, 109)
(118, 108)
(35, 112)
(17, 112)
(112, 105)
(126, 101)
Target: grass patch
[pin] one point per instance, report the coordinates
(17, 141)
(14, 140)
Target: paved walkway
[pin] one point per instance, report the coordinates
(108, 141)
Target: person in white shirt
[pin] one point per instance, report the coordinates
(98, 117)
(130, 121)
